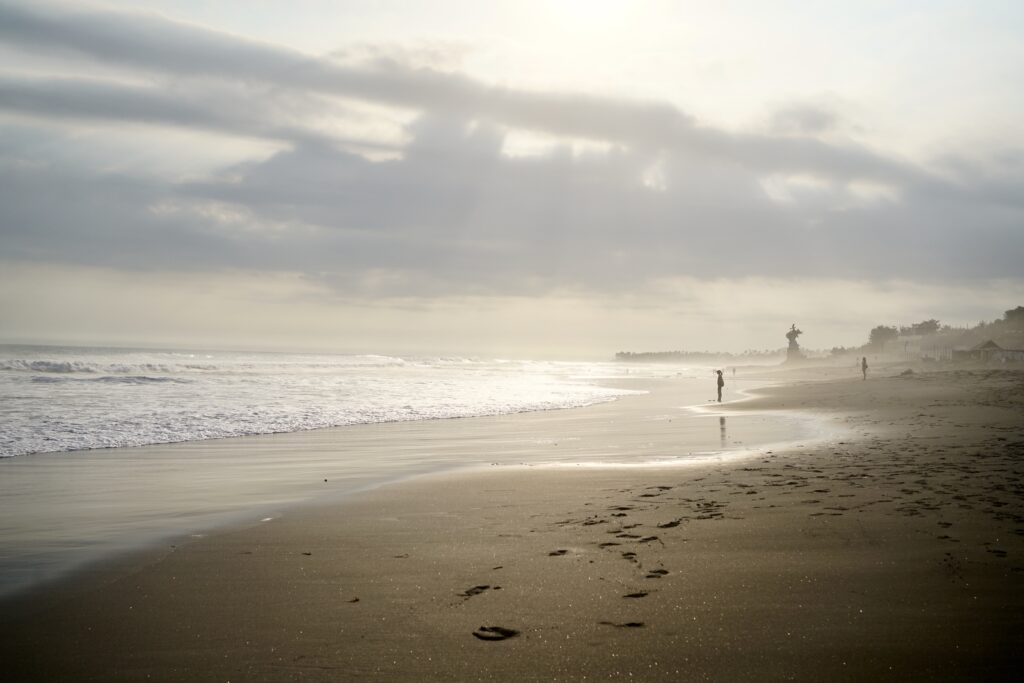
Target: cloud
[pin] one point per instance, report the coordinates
(431, 54)
(100, 100)
(152, 43)
(449, 212)
(454, 214)
(804, 119)
(253, 308)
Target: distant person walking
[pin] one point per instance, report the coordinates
(864, 366)
(721, 383)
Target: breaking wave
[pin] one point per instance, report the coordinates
(75, 399)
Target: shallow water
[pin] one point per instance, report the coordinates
(59, 512)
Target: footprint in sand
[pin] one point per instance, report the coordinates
(475, 590)
(625, 624)
(495, 633)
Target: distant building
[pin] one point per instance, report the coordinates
(989, 352)
(908, 345)
(918, 347)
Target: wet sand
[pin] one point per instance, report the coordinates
(890, 551)
(64, 512)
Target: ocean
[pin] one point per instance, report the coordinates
(107, 451)
(83, 474)
(55, 398)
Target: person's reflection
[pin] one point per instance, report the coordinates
(721, 428)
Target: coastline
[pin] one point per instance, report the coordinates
(890, 552)
(72, 513)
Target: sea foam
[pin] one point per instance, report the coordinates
(64, 399)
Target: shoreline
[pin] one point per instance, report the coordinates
(891, 553)
(119, 502)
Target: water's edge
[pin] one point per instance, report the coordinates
(630, 431)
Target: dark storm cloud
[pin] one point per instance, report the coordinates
(454, 213)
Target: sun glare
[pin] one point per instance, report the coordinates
(589, 15)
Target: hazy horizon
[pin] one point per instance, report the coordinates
(522, 179)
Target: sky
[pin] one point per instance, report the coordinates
(549, 179)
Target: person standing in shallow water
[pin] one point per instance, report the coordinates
(864, 366)
(721, 383)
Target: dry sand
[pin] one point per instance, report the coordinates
(892, 552)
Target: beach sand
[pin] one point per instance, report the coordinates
(891, 550)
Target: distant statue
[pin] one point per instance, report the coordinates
(793, 353)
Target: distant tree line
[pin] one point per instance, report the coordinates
(1007, 331)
